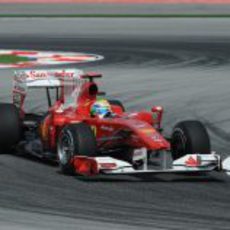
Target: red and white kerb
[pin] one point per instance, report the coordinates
(43, 58)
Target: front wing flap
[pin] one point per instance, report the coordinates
(191, 163)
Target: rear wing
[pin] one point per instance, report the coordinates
(66, 79)
(46, 78)
(71, 82)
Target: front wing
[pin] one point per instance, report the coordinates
(189, 164)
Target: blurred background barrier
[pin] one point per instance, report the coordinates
(134, 8)
(122, 1)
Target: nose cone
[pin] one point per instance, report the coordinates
(153, 139)
(157, 142)
(145, 135)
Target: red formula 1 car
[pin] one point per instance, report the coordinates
(119, 143)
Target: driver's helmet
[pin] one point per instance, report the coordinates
(100, 108)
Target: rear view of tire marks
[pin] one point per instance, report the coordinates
(191, 80)
(139, 53)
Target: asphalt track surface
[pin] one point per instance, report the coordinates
(181, 64)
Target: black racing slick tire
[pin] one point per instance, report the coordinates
(10, 126)
(189, 137)
(118, 103)
(75, 139)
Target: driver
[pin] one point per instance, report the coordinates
(101, 108)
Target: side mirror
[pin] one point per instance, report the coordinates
(157, 115)
(91, 76)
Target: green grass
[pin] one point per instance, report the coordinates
(11, 59)
(117, 15)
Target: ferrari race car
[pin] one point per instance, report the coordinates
(83, 142)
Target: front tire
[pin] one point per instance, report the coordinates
(189, 137)
(75, 139)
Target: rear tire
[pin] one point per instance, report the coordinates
(75, 139)
(10, 126)
(189, 137)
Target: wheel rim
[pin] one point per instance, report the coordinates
(65, 147)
